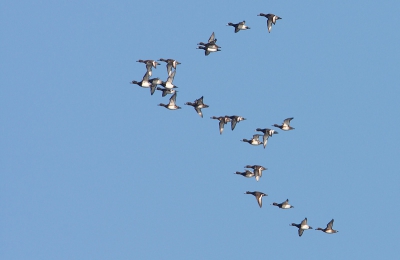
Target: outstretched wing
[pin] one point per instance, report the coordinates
(212, 38)
(265, 140)
(221, 126)
(259, 200)
(198, 110)
(172, 100)
(233, 123)
(287, 121)
(269, 25)
(330, 224)
(199, 101)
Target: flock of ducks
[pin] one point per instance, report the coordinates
(169, 88)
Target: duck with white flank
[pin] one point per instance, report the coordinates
(210, 46)
(166, 91)
(235, 120)
(198, 105)
(258, 169)
(223, 120)
(271, 20)
(302, 226)
(258, 196)
(172, 103)
(283, 205)
(149, 65)
(253, 141)
(247, 174)
(171, 63)
(286, 125)
(168, 84)
(328, 229)
(239, 26)
(267, 133)
(144, 83)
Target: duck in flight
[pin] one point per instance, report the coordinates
(271, 20)
(285, 125)
(267, 133)
(223, 120)
(283, 205)
(171, 63)
(302, 226)
(239, 26)
(172, 103)
(258, 196)
(328, 229)
(198, 105)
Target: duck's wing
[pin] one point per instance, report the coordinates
(198, 110)
(212, 38)
(287, 121)
(172, 100)
(199, 101)
(269, 25)
(265, 140)
(259, 199)
(171, 77)
(149, 67)
(221, 126)
(169, 68)
(146, 76)
(256, 137)
(301, 232)
(330, 224)
(152, 88)
(233, 122)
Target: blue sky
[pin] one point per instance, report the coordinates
(92, 168)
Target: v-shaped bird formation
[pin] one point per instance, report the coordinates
(167, 87)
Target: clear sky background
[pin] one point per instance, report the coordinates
(92, 168)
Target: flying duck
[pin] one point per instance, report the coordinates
(171, 63)
(286, 125)
(283, 205)
(302, 226)
(239, 26)
(267, 133)
(172, 103)
(198, 105)
(222, 121)
(144, 83)
(254, 141)
(271, 20)
(149, 65)
(258, 169)
(258, 196)
(210, 46)
(235, 120)
(328, 229)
